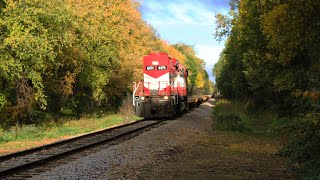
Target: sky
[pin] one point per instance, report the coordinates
(187, 21)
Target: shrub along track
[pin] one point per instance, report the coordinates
(25, 164)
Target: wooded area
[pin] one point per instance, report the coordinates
(72, 57)
(271, 61)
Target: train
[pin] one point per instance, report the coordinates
(163, 93)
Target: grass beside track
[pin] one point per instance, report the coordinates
(16, 139)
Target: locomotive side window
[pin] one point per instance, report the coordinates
(149, 68)
(162, 67)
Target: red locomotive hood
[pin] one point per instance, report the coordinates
(156, 64)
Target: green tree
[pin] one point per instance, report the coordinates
(271, 58)
(33, 34)
(196, 67)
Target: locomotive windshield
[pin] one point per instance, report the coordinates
(149, 68)
(162, 67)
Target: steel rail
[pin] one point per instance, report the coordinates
(47, 146)
(40, 162)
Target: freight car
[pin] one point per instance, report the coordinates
(163, 91)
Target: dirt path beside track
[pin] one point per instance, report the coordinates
(219, 155)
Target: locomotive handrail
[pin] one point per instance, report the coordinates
(165, 89)
(143, 88)
(135, 91)
(175, 94)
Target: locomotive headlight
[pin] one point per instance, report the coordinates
(166, 97)
(142, 98)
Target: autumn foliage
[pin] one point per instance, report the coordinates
(271, 60)
(72, 57)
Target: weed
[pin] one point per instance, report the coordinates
(26, 132)
(126, 108)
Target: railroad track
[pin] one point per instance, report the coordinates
(25, 164)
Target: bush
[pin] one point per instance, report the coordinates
(126, 108)
(303, 145)
(230, 122)
(227, 118)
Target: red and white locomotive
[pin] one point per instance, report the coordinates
(163, 92)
